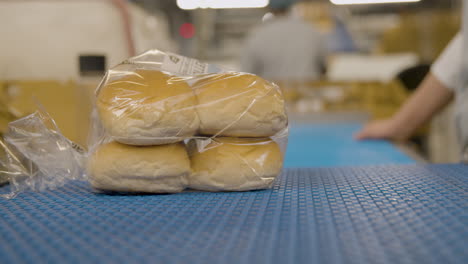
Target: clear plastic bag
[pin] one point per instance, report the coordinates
(234, 164)
(158, 98)
(36, 156)
(154, 116)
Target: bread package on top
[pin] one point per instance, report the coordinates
(147, 107)
(239, 105)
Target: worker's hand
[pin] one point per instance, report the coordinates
(383, 129)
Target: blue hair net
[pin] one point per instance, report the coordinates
(281, 4)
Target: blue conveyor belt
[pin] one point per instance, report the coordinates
(332, 144)
(377, 214)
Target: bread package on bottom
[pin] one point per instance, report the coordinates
(147, 107)
(234, 164)
(153, 169)
(239, 105)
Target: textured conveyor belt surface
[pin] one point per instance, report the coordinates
(332, 144)
(377, 214)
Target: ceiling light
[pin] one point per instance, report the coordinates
(354, 2)
(193, 4)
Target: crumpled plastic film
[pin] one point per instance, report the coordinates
(36, 156)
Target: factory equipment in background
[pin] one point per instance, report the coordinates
(44, 39)
(41, 49)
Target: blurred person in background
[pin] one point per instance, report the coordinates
(284, 48)
(446, 81)
(340, 39)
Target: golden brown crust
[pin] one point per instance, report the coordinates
(148, 108)
(156, 169)
(239, 105)
(234, 164)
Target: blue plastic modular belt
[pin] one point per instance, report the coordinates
(332, 144)
(380, 214)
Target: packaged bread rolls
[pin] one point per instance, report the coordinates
(239, 105)
(152, 169)
(234, 164)
(161, 123)
(147, 107)
(156, 99)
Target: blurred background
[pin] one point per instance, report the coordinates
(371, 56)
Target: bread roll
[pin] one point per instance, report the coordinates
(239, 105)
(152, 169)
(233, 164)
(148, 108)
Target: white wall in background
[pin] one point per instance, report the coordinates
(151, 31)
(350, 67)
(443, 141)
(43, 39)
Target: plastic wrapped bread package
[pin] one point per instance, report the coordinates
(163, 123)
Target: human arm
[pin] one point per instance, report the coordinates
(428, 99)
(433, 94)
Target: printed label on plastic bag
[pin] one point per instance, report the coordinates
(182, 65)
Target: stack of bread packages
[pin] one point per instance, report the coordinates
(163, 123)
